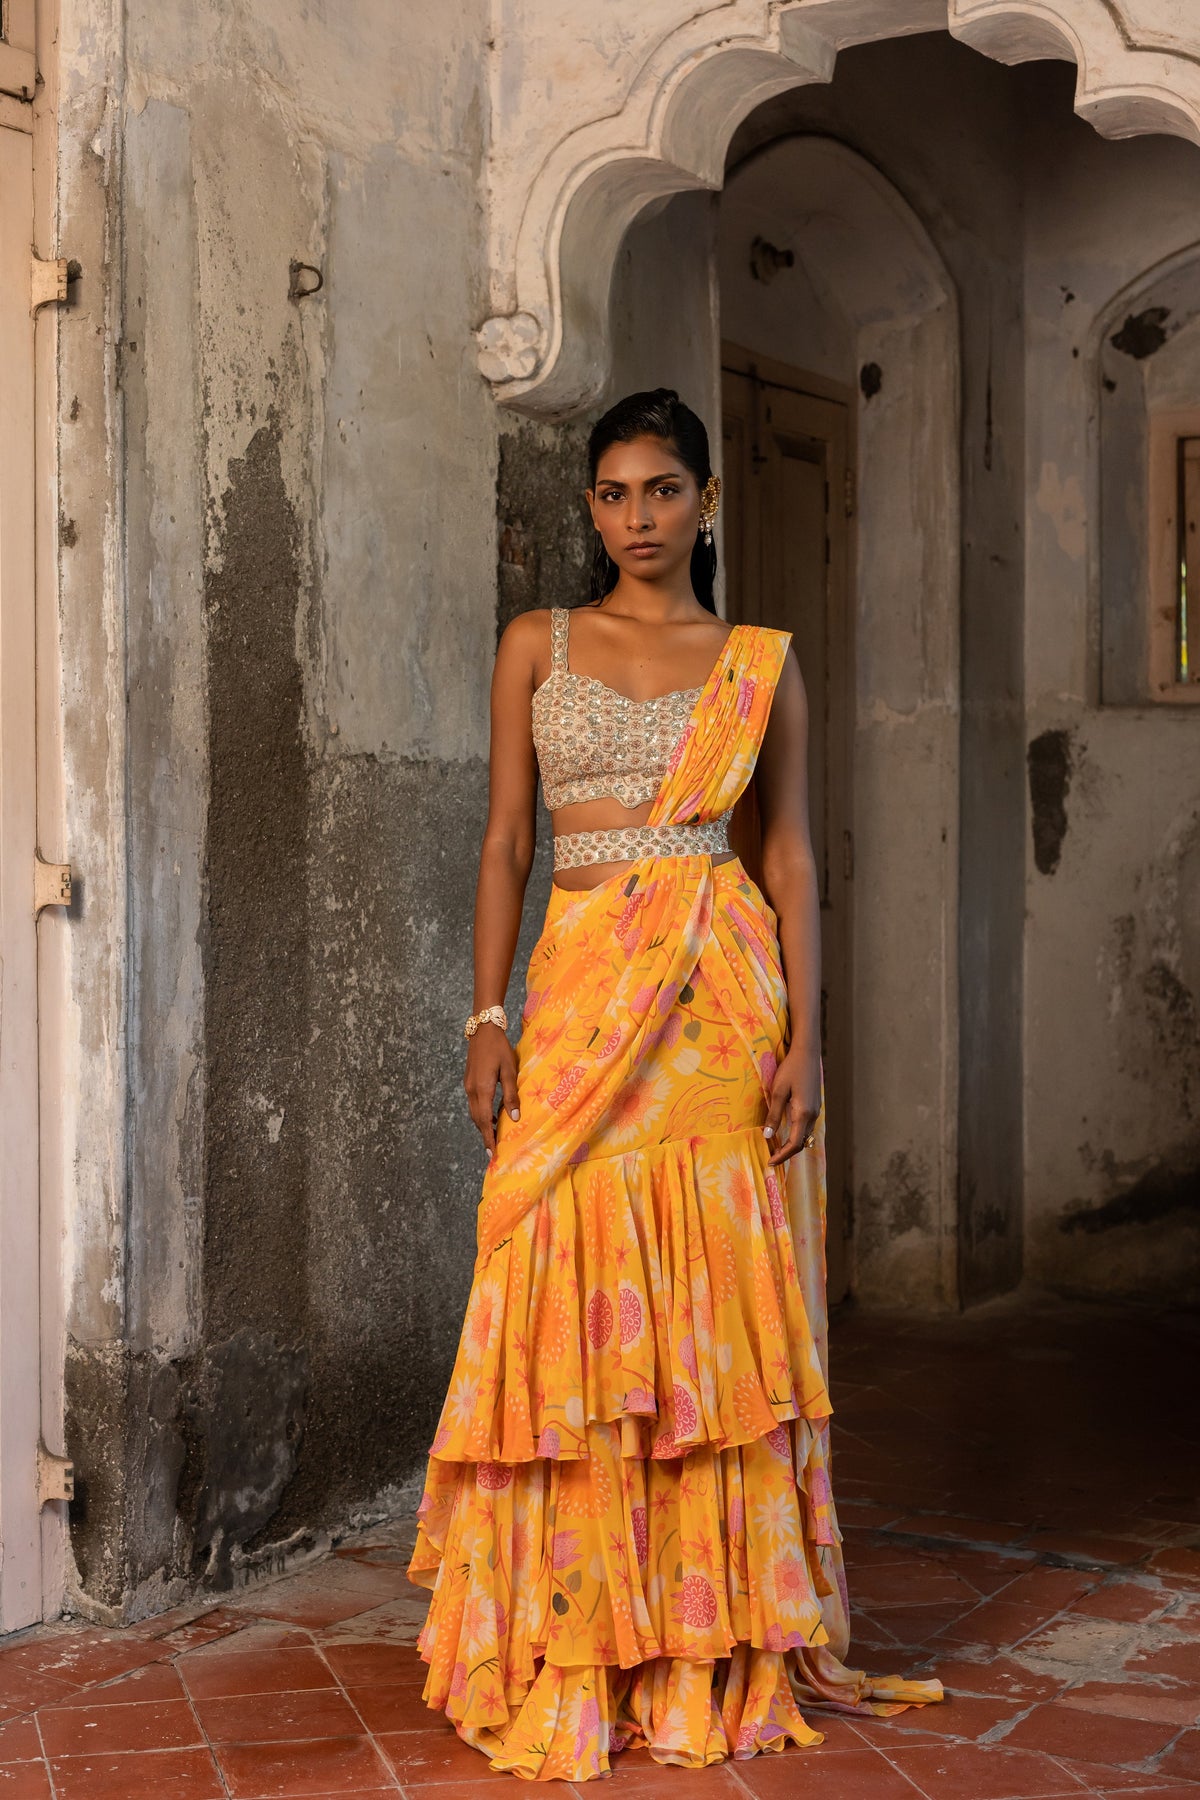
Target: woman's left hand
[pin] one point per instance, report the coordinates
(795, 1102)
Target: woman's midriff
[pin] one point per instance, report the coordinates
(603, 815)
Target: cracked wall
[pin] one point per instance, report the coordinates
(294, 537)
(1112, 887)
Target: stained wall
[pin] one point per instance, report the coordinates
(278, 596)
(1112, 881)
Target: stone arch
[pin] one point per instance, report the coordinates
(866, 255)
(660, 112)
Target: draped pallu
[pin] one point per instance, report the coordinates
(627, 1521)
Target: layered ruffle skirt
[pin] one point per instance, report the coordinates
(627, 1524)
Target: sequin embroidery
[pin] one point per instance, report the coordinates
(593, 742)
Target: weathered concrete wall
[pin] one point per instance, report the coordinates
(899, 104)
(1112, 957)
(286, 509)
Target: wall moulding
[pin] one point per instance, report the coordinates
(594, 117)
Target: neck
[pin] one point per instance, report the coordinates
(672, 599)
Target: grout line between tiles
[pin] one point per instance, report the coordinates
(50, 1781)
(204, 1737)
(341, 1687)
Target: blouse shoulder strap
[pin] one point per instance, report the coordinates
(559, 626)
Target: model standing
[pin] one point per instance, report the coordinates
(627, 1522)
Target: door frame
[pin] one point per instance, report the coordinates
(33, 1568)
(839, 749)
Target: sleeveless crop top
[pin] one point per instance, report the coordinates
(592, 742)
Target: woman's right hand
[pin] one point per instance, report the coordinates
(491, 1063)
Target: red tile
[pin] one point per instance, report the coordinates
(24, 1781)
(1181, 1566)
(1181, 1661)
(1122, 1600)
(1101, 1780)
(997, 1625)
(199, 1634)
(999, 1676)
(78, 1658)
(971, 1531)
(909, 1584)
(1175, 1790)
(157, 1681)
(99, 1730)
(366, 1665)
(160, 1623)
(1182, 1761)
(19, 1741)
(22, 1690)
(1052, 1588)
(340, 1765)
(161, 1774)
(254, 1672)
(910, 1626)
(1135, 1700)
(863, 1516)
(630, 1779)
(316, 1610)
(1095, 1737)
(253, 1634)
(1093, 1552)
(842, 1775)
(959, 1715)
(397, 1708)
(436, 1754)
(983, 1772)
(269, 1718)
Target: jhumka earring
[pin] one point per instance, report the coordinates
(708, 507)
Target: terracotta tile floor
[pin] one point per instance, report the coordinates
(1020, 1491)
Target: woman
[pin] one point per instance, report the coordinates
(627, 1522)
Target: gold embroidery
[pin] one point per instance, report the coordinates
(593, 742)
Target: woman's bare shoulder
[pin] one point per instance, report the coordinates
(525, 634)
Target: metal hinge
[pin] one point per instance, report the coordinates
(55, 1475)
(849, 492)
(848, 855)
(51, 884)
(47, 281)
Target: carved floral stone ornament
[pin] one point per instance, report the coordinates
(645, 105)
(510, 348)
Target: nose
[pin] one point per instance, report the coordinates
(639, 513)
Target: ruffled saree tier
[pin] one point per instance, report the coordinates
(627, 1523)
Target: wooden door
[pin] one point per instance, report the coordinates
(20, 1397)
(788, 503)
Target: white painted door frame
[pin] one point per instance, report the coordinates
(32, 1534)
(20, 1346)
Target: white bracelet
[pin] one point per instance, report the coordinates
(491, 1015)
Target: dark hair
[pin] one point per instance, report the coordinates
(662, 414)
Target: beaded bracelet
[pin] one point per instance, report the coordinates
(491, 1015)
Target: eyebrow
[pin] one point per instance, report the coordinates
(651, 480)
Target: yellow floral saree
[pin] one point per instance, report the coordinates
(627, 1522)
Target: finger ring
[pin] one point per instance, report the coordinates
(809, 1141)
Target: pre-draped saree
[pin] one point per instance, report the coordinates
(627, 1522)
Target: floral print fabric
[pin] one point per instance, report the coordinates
(627, 1521)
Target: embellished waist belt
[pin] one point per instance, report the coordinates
(572, 849)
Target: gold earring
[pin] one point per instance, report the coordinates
(708, 507)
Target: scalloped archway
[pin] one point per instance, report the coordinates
(663, 90)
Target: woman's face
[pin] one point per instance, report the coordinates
(646, 507)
